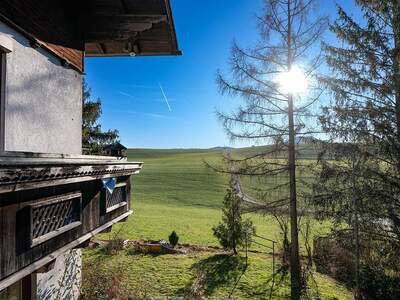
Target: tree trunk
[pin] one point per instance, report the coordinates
(294, 243)
(294, 249)
(396, 66)
(357, 291)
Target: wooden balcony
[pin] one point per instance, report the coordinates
(52, 203)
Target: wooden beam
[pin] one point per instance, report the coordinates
(141, 7)
(126, 18)
(101, 48)
(46, 268)
(143, 53)
(113, 35)
(110, 28)
(47, 259)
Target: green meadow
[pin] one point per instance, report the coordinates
(177, 191)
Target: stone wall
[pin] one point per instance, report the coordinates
(64, 280)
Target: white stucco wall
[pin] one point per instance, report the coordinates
(43, 100)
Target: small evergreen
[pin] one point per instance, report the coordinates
(173, 239)
(93, 136)
(233, 231)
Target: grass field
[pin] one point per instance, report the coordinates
(176, 191)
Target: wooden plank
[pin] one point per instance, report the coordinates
(2, 242)
(49, 183)
(147, 7)
(54, 233)
(50, 24)
(55, 199)
(47, 259)
(16, 252)
(114, 207)
(124, 54)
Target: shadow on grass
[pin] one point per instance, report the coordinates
(226, 271)
(272, 287)
(215, 271)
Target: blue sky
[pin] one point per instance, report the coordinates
(129, 87)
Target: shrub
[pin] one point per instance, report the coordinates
(103, 283)
(232, 232)
(376, 284)
(333, 257)
(113, 246)
(173, 239)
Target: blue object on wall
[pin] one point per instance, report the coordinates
(109, 184)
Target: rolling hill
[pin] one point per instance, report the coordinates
(177, 191)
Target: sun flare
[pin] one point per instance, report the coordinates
(292, 82)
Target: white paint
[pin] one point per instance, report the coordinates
(43, 100)
(63, 282)
(6, 43)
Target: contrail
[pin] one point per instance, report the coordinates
(126, 94)
(165, 97)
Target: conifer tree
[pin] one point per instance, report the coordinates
(92, 135)
(233, 232)
(364, 117)
(289, 31)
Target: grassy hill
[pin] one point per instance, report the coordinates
(176, 191)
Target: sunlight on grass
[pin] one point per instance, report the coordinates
(176, 191)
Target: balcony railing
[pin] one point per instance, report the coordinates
(52, 203)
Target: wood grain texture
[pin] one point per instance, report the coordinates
(71, 29)
(51, 24)
(16, 249)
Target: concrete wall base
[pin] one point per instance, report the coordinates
(63, 282)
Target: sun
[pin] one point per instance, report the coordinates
(293, 81)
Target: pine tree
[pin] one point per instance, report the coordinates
(92, 135)
(363, 122)
(233, 232)
(270, 115)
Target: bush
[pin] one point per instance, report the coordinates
(332, 257)
(173, 239)
(376, 284)
(102, 283)
(113, 246)
(233, 232)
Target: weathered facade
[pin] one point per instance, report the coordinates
(43, 99)
(52, 198)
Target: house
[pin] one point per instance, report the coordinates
(116, 149)
(53, 199)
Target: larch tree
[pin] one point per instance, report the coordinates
(271, 78)
(93, 137)
(364, 116)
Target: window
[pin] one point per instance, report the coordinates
(117, 199)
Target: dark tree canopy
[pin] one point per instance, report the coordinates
(93, 138)
(362, 186)
(365, 111)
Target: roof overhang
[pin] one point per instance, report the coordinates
(129, 28)
(73, 29)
